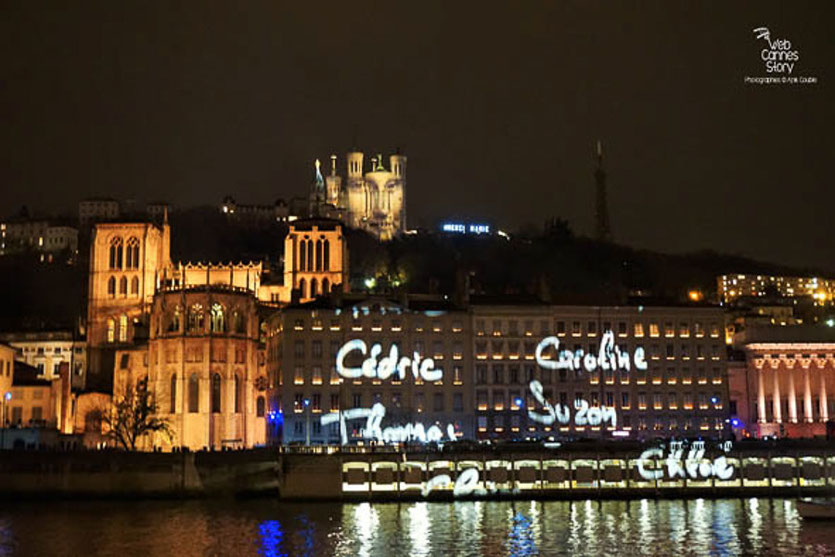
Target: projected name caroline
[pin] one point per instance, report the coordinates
(373, 430)
(585, 415)
(385, 367)
(608, 357)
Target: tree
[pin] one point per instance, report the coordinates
(134, 415)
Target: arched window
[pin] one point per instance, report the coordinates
(326, 287)
(260, 407)
(111, 330)
(218, 325)
(319, 254)
(123, 328)
(239, 394)
(132, 259)
(173, 393)
(174, 323)
(111, 287)
(193, 394)
(302, 256)
(302, 288)
(313, 288)
(123, 286)
(310, 255)
(238, 323)
(195, 319)
(134, 286)
(326, 256)
(116, 253)
(216, 393)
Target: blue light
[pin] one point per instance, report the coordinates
(735, 422)
(714, 400)
(518, 401)
(307, 402)
(272, 539)
(8, 395)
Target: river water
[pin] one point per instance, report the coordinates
(242, 528)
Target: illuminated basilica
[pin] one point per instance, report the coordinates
(374, 201)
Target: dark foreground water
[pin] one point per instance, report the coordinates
(270, 528)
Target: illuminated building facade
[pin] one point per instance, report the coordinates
(7, 359)
(37, 236)
(784, 384)
(205, 367)
(733, 287)
(637, 372)
(404, 367)
(509, 371)
(47, 350)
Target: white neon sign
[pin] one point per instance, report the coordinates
(386, 366)
(373, 430)
(694, 465)
(609, 356)
(586, 415)
(461, 228)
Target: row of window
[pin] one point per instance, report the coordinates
(419, 346)
(36, 415)
(122, 332)
(376, 325)
(499, 374)
(498, 423)
(313, 255)
(315, 289)
(192, 401)
(511, 349)
(420, 402)
(41, 350)
(196, 320)
(123, 287)
(502, 400)
(130, 250)
(593, 328)
(315, 377)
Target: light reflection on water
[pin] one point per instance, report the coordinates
(467, 528)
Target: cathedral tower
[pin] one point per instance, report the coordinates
(126, 260)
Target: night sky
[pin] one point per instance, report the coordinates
(498, 108)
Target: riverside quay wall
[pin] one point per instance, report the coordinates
(672, 469)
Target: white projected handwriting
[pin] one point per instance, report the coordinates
(560, 413)
(609, 356)
(387, 366)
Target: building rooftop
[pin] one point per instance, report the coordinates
(790, 334)
(27, 376)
